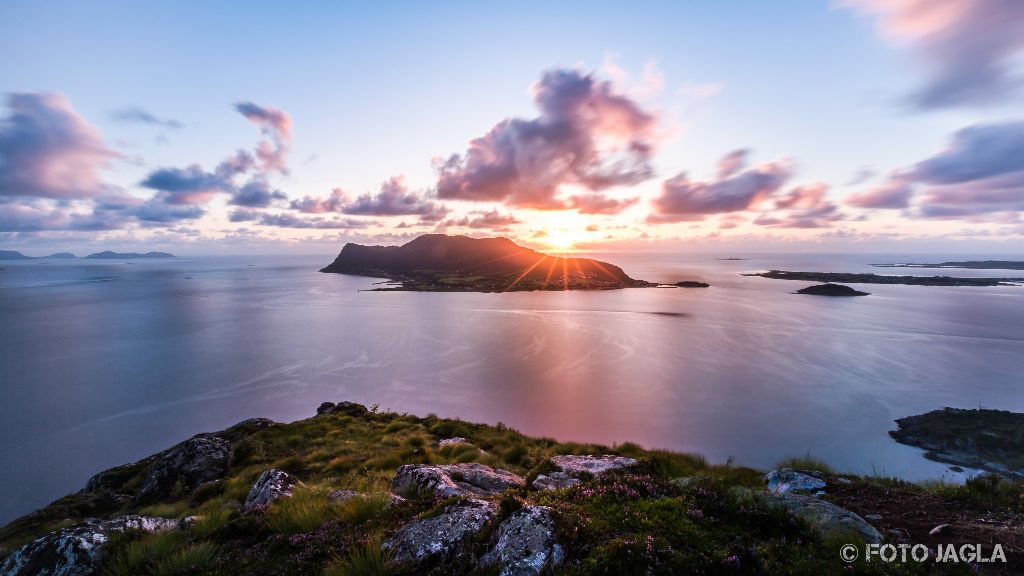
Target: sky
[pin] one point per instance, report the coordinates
(259, 127)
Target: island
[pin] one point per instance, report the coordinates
(442, 263)
(692, 284)
(968, 264)
(108, 255)
(15, 255)
(355, 490)
(831, 290)
(981, 438)
(855, 278)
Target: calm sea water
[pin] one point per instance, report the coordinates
(102, 363)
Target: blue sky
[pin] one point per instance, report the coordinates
(378, 90)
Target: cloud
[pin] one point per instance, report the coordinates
(257, 194)
(313, 205)
(893, 193)
(488, 219)
(139, 116)
(972, 47)
(244, 215)
(158, 212)
(739, 189)
(980, 172)
(587, 134)
(599, 204)
(48, 150)
(285, 220)
(395, 199)
(276, 126)
(802, 207)
(862, 175)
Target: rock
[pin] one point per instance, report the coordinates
(199, 459)
(941, 530)
(825, 516)
(76, 550)
(554, 481)
(448, 480)
(873, 517)
(572, 467)
(452, 442)
(348, 408)
(692, 284)
(253, 424)
(786, 480)
(526, 543)
(596, 465)
(271, 485)
(690, 481)
(439, 537)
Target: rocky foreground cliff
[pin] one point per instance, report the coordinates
(352, 491)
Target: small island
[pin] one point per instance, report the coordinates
(855, 278)
(967, 264)
(831, 290)
(692, 284)
(108, 255)
(442, 263)
(15, 255)
(991, 440)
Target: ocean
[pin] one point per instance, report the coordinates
(105, 362)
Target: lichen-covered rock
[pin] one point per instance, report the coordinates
(554, 481)
(349, 408)
(76, 550)
(199, 459)
(448, 480)
(251, 424)
(573, 467)
(824, 516)
(786, 480)
(526, 543)
(271, 485)
(452, 441)
(439, 537)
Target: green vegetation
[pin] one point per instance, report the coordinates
(639, 521)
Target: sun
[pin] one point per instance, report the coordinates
(564, 240)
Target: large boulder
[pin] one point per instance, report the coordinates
(348, 408)
(199, 459)
(526, 543)
(76, 550)
(825, 517)
(437, 538)
(271, 485)
(786, 480)
(571, 468)
(448, 480)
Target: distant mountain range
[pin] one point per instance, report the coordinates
(108, 255)
(438, 263)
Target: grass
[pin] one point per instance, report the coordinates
(191, 559)
(366, 560)
(305, 511)
(806, 462)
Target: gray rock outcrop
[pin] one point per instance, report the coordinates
(571, 468)
(76, 550)
(786, 480)
(526, 543)
(199, 459)
(448, 480)
(824, 516)
(437, 538)
(271, 485)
